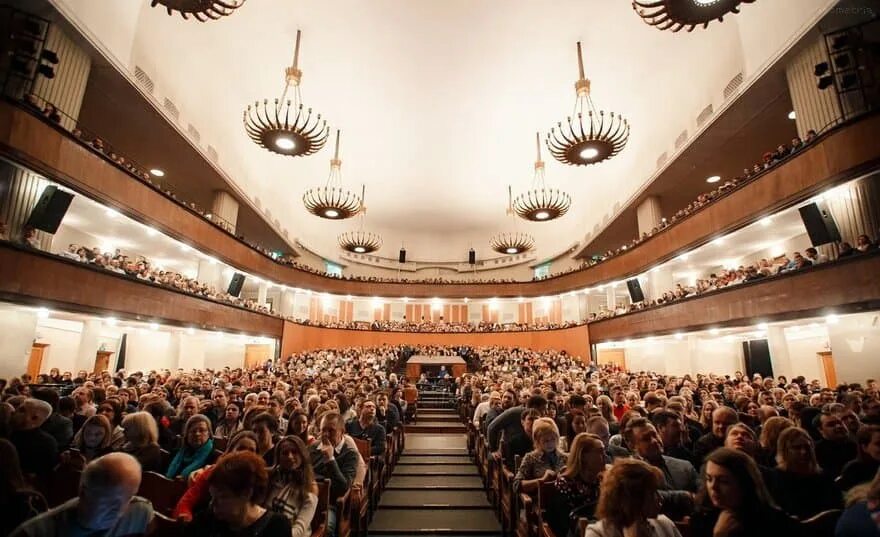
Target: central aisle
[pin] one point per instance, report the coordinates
(435, 488)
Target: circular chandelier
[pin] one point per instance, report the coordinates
(285, 126)
(511, 242)
(202, 10)
(360, 241)
(331, 200)
(591, 136)
(677, 14)
(541, 204)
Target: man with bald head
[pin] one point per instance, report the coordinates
(106, 504)
(722, 418)
(37, 449)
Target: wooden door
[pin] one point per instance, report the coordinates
(35, 362)
(612, 356)
(102, 361)
(256, 355)
(826, 360)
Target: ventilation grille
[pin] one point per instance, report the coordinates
(661, 160)
(682, 138)
(172, 109)
(733, 85)
(143, 79)
(212, 153)
(193, 133)
(704, 115)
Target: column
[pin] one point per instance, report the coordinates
(19, 192)
(814, 108)
(211, 273)
(67, 88)
(285, 303)
(262, 290)
(779, 356)
(659, 281)
(648, 214)
(190, 351)
(88, 346)
(17, 332)
(224, 210)
(610, 297)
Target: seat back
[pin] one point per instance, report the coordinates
(319, 521)
(164, 493)
(62, 485)
(821, 524)
(220, 443)
(163, 526)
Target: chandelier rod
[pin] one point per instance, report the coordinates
(336, 150)
(580, 61)
(296, 50)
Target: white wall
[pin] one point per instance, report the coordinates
(855, 344)
(148, 350)
(63, 340)
(682, 356)
(17, 330)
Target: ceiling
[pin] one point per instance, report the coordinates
(439, 102)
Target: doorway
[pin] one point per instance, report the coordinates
(35, 361)
(826, 362)
(615, 357)
(256, 355)
(102, 361)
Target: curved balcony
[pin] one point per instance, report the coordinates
(49, 150)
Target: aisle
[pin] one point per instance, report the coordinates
(435, 488)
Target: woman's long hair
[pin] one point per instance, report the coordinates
(626, 490)
(301, 481)
(756, 498)
(582, 444)
(98, 420)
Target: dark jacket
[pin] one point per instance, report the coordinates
(37, 451)
(60, 428)
(340, 471)
(374, 432)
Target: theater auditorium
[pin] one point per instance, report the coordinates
(424, 268)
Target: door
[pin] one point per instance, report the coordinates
(612, 356)
(35, 362)
(826, 360)
(102, 361)
(256, 355)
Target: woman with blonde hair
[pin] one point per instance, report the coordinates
(797, 484)
(577, 487)
(544, 461)
(142, 440)
(769, 438)
(629, 504)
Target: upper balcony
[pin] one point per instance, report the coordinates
(834, 158)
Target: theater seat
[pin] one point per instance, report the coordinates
(822, 524)
(164, 493)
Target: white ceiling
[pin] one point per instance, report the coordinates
(439, 101)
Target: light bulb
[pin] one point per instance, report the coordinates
(360, 249)
(511, 250)
(589, 153)
(284, 143)
(332, 213)
(542, 215)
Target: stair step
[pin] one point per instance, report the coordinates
(417, 521)
(435, 470)
(452, 451)
(434, 499)
(421, 482)
(434, 459)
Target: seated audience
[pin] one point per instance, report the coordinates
(230, 423)
(860, 519)
(197, 450)
(768, 441)
(19, 501)
(366, 428)
(292, 488)
(543, 462)
(835, 448)
(722, 418)
(142, 440)
(333, 459)
(57, 425)
(90, 442)
(577, 486)
(37, 449)
(797, 484)
(866, 464)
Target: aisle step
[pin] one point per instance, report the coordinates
(435, 470)
(420, 482)
(434, 521)
(434, 459)
(451, 427)
(434, 499)
(439, 451)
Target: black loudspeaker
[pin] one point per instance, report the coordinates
(472, 257)
(820, 224)
(635, 290)
(49, 210)
(757, 356)
(236, 284)
(401, 257)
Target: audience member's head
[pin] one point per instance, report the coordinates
(106, 488)
(629, 494)
(31, 414)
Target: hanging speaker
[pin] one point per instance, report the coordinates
(635, 290)
(820, 224)
(236, 284)
(401, 257)
(50, 209)
(472, 257)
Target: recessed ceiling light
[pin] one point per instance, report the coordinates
(331, 213)
(191, 331)
(792, 115)
(683, 257)
(152, 232)
(589, 153)
(154, 326)
(43, 313)
(284, 143)
(360, 249)
(111, 213)
(111, 321)
(156, 172)
(679, 336)
(511, 250)
(542, 215)
(719, 241)
(713, 179)
(766, 221)
(832, 319)
(714, 331)
(761, 326)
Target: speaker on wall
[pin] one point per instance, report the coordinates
(401, 257)
(820, 224)
(635, 290)
(50, 209)
(472, 257)
(236, 284)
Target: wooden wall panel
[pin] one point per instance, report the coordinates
(844, 286)
(32, 277)
(45, 148)
(298, 338)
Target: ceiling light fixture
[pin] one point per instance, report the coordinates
(156, 172)
(713, 179)
(202, 10)
(511, 242)
(792, 115)
(766, 221)
(286, 127)
(43, 313)
(677, 14)
(541, 204)
(580, 144)
(331, 200)
(360, 241)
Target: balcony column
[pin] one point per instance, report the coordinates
(88, 347)
(262, 291)
(780, 359)
(814, 108)
(224, 210)
(648, 214)
(16, 340)
(610, 297)
(19, 192)
(659, 281)
(211, 273)
(285, 303)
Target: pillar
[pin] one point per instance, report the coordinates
(648, 214)
(88, 346)
(659, 281)
(285, 303)
(211, 273)
(814, 108)
(67, 88)
(610, 297)
(780, 359)
(190, 350)
(17, 332)
(224, 210)
(262, 291)
(20, 189)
